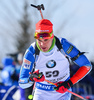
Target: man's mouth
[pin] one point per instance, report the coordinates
(43, 48)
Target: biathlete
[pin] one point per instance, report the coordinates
(53, 63)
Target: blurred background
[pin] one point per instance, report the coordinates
(72, 19)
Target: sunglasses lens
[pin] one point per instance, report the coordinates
(42, 35)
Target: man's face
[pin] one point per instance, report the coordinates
(45, 44)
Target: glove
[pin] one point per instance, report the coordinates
(62, 87)
(37, 77)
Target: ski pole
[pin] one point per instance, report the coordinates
(39, 7)
(38, 76)
(67, 90)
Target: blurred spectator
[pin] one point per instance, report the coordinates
(19, 60)
(11, 70)
(9, 92)
(8, 74)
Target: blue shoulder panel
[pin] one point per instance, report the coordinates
(72, 51)
(31, 49)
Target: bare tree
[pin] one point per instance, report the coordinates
(24, 38)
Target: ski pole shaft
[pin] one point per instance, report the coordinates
(41, 14)
(50, 82)
(76, 95)
(67, 90)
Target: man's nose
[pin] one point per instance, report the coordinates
(42, 43)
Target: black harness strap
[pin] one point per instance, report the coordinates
(36, 50)
(58, 44)
(76, 57)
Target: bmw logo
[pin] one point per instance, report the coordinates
(51, 64)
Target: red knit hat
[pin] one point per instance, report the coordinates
(44, 25)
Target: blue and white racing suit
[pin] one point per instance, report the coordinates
(55, 67)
